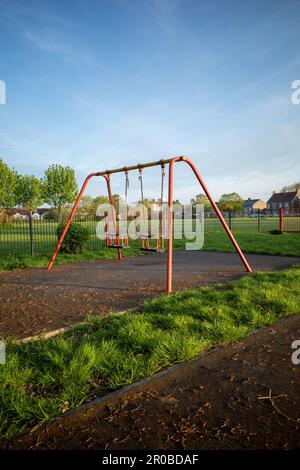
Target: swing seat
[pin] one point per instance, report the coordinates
(118, 246)
(152, 249)
(111, 238)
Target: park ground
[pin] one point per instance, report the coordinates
(45, 378)
(105, 347)
(242, 396)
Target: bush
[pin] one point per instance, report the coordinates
(52, 214)
(13, 262)
(75, 239)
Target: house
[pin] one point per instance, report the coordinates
(288, 200)
(23, 214)
(42, 211)
(252, 206)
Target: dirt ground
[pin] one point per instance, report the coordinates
(243, 396)
(35, 301)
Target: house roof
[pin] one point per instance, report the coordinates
(21, 211)
(42, 210)
(14, 211)
(283, 197)
(250, 202)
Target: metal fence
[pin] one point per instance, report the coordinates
(39, 237)
(289, 220)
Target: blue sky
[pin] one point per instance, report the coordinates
(98, 84)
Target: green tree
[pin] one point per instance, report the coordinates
(59, 186)
(8, 179)
(29, 192)
(231, 202)
(202, 199)
(86, 205)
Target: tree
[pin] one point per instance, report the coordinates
(29, 195)
(29, 192)
(86, 205)
(59, 186)
(231, 202)
(202, 199)
(97, 201)
(291, 187)
(8, 180)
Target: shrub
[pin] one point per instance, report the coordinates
(13, 262)
(75, 239)
(52, 214)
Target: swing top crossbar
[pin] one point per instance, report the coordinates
(139, 166)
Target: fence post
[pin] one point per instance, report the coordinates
(258, 220)
(31, 235)
(281, 219)
(229, 220)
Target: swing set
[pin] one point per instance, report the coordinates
(120, 242)
(145, 236)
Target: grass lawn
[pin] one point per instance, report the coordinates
(43, 379)
(285, 244)
(19, 261)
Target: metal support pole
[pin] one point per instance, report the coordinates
(170, 226)
(281, 219)
(112, 205)
(31, 235)
(258, 220)
(216, 209)
(69, 220)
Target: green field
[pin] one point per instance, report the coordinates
(44, 378)
(15, 241)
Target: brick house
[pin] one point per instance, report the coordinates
(288, 201)
(252, 206)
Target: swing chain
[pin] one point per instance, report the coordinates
(163, 174)
(141, 182)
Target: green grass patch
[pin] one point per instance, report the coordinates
(26, 261)
(44, 378)
(285, 244)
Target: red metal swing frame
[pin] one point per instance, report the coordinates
(106, 175)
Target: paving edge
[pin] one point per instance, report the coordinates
(53, 333)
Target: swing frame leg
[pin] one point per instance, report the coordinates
(71, 216)
(170, 227)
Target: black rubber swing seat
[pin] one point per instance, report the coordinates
(122, 247)
(153, 250)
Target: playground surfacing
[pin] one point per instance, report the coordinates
(35, 301)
